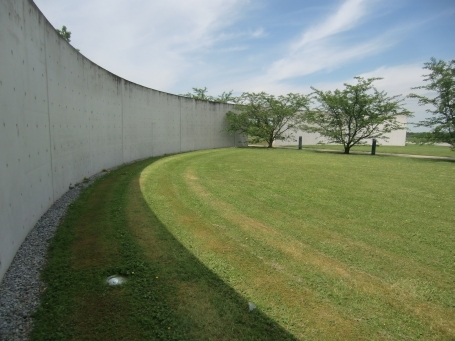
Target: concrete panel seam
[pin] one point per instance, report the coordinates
(122, 84)
(83, 112)
(48, 112)
(180, 102)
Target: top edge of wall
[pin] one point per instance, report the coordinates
(32, 3)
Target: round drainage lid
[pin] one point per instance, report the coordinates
(115, 280)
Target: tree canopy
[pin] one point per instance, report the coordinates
(64, 33)
(441, 81)
(201, 94)
(354, 114)
(264, 117)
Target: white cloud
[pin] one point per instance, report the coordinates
(148, 42)
(398, 80)
(321, 47)
(258, 33)
(325, 56)
(346, 17)
(174, 45)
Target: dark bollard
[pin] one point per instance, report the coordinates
(373, 147)
(300, 142)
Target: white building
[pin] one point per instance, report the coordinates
(395, 138)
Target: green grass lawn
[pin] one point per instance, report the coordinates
(429, 150)
(328, 246)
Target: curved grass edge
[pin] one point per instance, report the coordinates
(168, 295)
(206, 201)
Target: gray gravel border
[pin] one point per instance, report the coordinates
(21, 286)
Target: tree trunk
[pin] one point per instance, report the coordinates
(270, 142)
(346, 150)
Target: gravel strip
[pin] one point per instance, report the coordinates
(21, 286)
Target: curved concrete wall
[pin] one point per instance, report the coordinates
(64, 118)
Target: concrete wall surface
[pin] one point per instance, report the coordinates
(63, 118)
(395, 138)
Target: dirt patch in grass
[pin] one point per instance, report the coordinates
(102, 317)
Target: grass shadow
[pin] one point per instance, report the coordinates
(169, 294)
(206, 308)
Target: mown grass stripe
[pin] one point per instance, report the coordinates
(374, 269)
(327, 246)
(169, 294)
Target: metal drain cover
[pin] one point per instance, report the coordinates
(116, 280)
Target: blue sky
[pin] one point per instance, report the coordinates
(258, 45)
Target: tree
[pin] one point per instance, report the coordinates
(356, 113)
(419, 138)
(225, 97)
(64, 33)
(264, 117)
(441, 80)
(200, 94)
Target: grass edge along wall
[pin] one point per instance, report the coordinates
(63, 118)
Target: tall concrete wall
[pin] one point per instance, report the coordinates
(63, 118)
